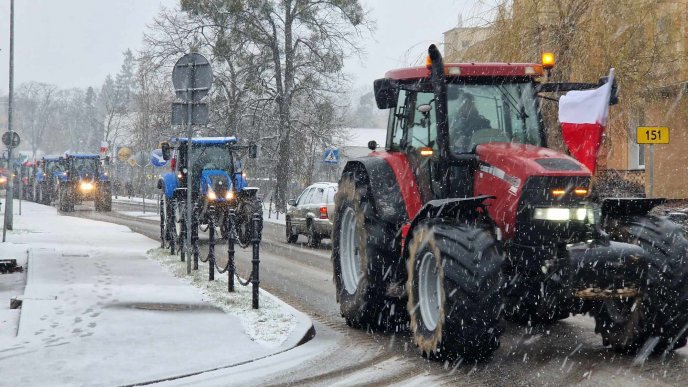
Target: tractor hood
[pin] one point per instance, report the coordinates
(522, 161)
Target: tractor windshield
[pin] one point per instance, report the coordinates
(84, 167)
(211, 157)
(482, 113)
(53, 166)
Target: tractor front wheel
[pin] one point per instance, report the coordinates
(66, 199)
(657, 319)
(454, 290)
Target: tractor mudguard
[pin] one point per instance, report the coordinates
(170, 183)
(622, 207)
(240, 182)
(385, 192)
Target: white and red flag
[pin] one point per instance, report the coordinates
(104, 147)
(583, 116)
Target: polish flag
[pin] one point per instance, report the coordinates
(583, 116)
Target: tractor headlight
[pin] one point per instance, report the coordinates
(564, 214)
(211, 195)
(86, 186)
(3, 180)
(229, 195)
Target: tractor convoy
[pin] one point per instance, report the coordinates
(65, 180)
(466, 218)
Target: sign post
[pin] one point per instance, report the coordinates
(652, 135)
(192, 78)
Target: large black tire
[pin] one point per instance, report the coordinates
(660, 316)
(106, 198)
(245, 209)
(313, 237)
(66, 199)
(454, 290)
(289, 231)
(364, 303)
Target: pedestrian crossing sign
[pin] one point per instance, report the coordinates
(331, 156)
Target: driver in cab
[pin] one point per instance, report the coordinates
(465, 123)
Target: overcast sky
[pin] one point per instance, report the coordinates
(76, 43)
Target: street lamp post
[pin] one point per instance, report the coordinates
(10, 182)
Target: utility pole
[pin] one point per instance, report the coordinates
(10, 182)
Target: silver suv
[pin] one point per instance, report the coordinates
(311, 214)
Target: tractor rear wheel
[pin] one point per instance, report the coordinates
(361, 252)
(660, 316)
(244, 218)
(454, 290)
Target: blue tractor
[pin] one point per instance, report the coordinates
(218, 185)
(84, 179)
(49, 172)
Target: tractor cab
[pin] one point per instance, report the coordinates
(214, 169)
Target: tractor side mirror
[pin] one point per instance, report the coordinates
(166, 150)
(160, 184)
(252, 151)
(372, 145)
(292, 202)
(386, 93)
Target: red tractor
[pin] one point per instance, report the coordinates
(467, 217)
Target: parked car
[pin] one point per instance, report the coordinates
(311, 214)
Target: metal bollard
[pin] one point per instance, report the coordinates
(255, 277)
(162, 225)
(194, 236)
(231, 221)
(211, 246)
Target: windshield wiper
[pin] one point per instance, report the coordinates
(513, 103)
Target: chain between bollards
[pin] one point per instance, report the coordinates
(255, 277)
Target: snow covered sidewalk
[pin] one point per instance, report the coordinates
(99, 309)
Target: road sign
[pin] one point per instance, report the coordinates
(192, 77)
(156, 158)
(652, 135)
(123, 153)
(180, 113)
(14, 142)
(331, 156)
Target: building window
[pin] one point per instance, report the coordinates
(641, 156)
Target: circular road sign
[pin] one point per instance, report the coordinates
(192, 77)
(11, 142)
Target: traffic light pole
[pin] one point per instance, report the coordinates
(10, 180)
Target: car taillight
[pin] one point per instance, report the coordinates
(323, 212)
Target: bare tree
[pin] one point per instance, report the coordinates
(36, 108)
